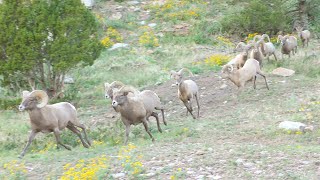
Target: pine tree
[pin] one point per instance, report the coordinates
(40, 41)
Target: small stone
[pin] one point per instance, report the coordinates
(238, 161)
(203, 88)
(210, 149)
(118, 45)
(133, 3)
(142, 22)
(223, 86)
(118, 175)
(116, 16)
(152, 25)
(200, 177)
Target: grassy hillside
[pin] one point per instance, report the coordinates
(236, 136)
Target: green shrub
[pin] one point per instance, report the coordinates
(6, 104)
(257, 16)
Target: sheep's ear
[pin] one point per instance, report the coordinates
(25, 94)
(106, 85)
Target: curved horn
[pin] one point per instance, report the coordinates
(116, 84)
(185, 69)
(41, 96)
(257, 36)
(241, 45)
(266, 36)
(127, 89)
(25, 94)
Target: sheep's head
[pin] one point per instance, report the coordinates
(109, 89)
(227, 70)
(282, 39)
(179, 75)
(35, 99)
(120, 96)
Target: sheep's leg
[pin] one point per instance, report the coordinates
(197, 99)
(254, 82)
(57, 135)
(78, 133)
(157, 119)
(274, 54)
(147, 129)
(164, 121)
(265, 79)
(84, 132)
(31, 137)
(189, 108)
(127, 134)
(162, 113)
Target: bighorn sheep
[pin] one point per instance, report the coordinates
(267, 48)
(239, 77)
(304, 35)
(256, 53)
(109, 88)
(187, 90)
(241, 58)
(50, 118)
(135, 110)
(289, 44)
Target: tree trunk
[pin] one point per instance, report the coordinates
(303, 15)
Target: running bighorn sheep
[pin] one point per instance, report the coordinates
(267, 48)
(239, 77)
(135, 110)
(304, 35)
(289, 44)
(50, 118)
(187, 90)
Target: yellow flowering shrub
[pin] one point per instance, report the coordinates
(148, 39)
(113, 36)
(217, 60)
(85, 169)
(15, 169)
(130, 163)
(224, 40)
(177, 10)
(251, 36)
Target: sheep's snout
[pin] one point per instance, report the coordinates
(114, 103)
(21, 107)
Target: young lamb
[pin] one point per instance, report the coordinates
(304, 35)
(50, 118)
(187, 90)
(133, 109)
(289, 44)
(239, 77)
(267, 48)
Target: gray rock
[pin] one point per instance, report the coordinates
(223, 86)
(152, 25)
(133, 3)
(283, 72)
(68, 80)
(88, 3)
(118, 45)
(118, 175)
